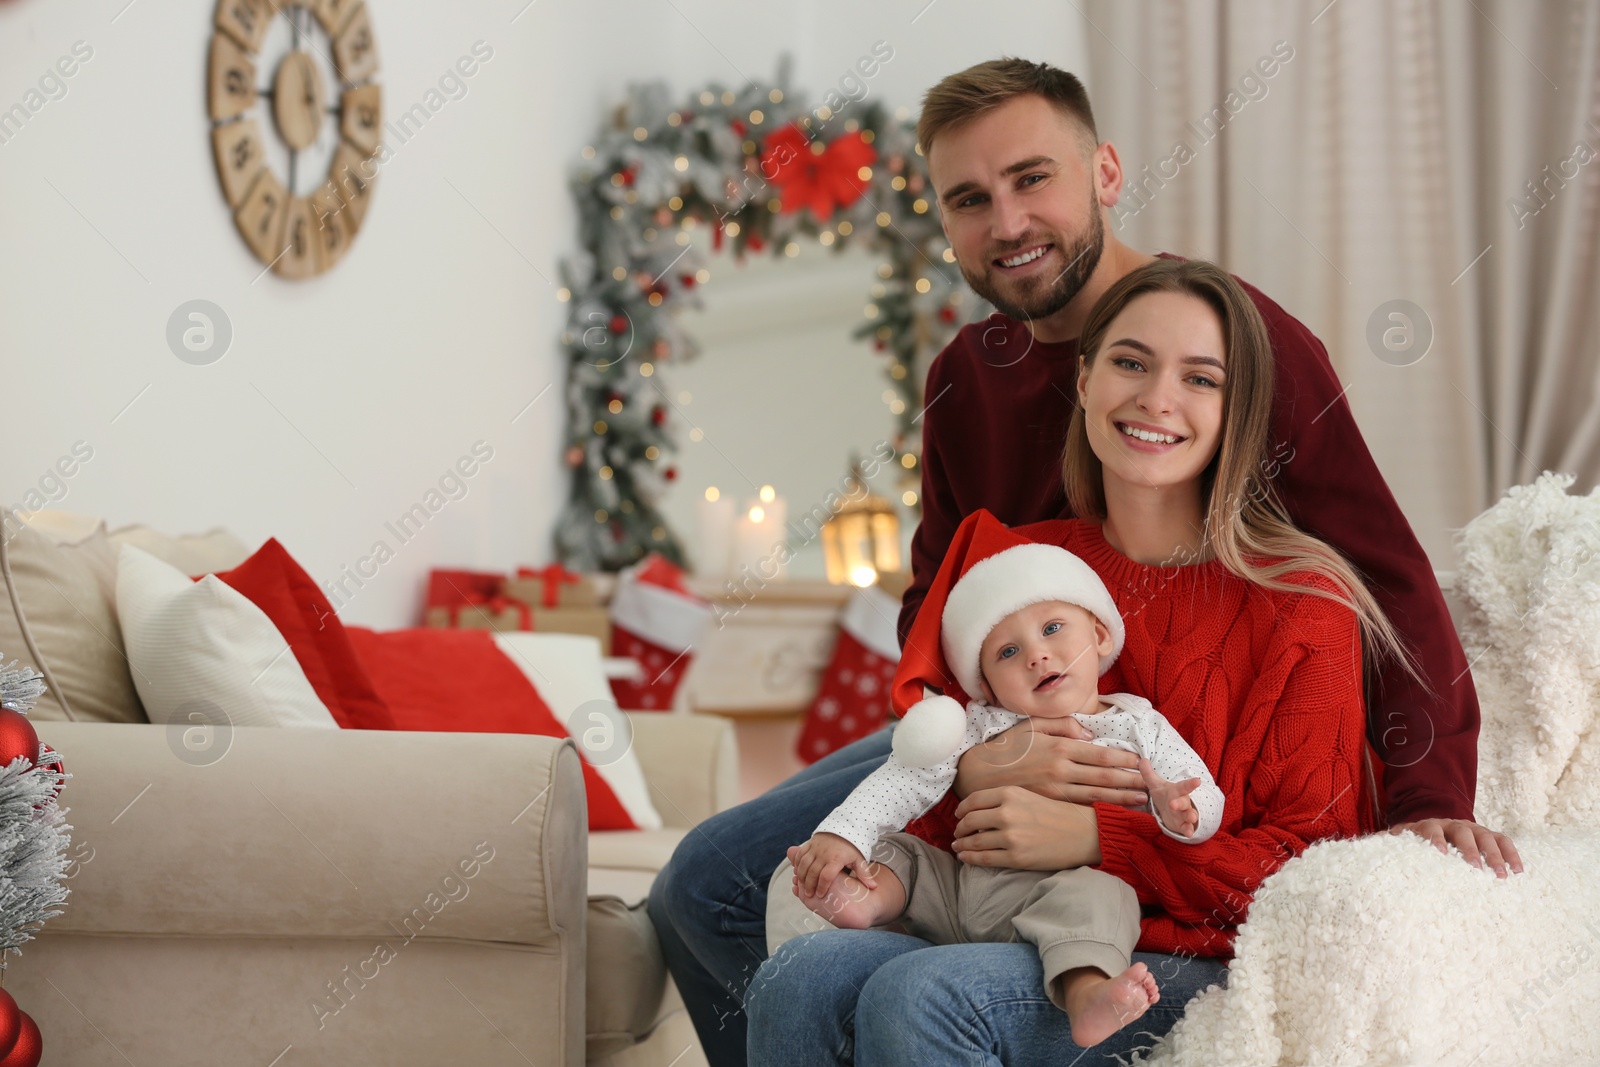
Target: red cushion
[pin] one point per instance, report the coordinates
(459, 680)
(275, 583)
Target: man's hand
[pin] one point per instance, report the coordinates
(1054, 758)
(819, 861)
(1479, 845)
(1171, 800)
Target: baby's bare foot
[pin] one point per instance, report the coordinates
(1100, 1007)
(849, 905)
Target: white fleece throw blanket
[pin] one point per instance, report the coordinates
(1383, 951)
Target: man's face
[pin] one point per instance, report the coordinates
(1019, 204)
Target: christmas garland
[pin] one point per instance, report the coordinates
(763, 170)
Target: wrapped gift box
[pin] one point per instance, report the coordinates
(592, 622)
(553, 587)
(472, 600)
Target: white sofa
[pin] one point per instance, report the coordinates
(343, 897)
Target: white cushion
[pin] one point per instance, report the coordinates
(567, 671)
(199, 647)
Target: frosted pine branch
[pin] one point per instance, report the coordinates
(33, 852)
(20, 687)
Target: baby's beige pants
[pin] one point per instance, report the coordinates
(1076, 918)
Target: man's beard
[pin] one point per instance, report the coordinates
(1041, 299)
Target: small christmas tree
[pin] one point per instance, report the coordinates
(33, 830)
(33, 847)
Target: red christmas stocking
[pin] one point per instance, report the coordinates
(853, 699)
(656, 620)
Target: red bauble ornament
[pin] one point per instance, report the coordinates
(658, 415)
(29, 1046)
(10, 1022)
(618, 323)
(739, 127)
(670, 474)
(879, 343)
(821, 181)
(17, 737)
(947, 314)
(628, 175)
(687, 280)
(574, 456)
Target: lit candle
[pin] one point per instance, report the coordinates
(714, 548)
(777, 516)
(759, 533)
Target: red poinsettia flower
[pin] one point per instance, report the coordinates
(821, 181)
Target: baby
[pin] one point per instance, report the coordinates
(1030, 628)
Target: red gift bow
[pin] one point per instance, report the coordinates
(553, 576)
(454, 590)
(807, 179)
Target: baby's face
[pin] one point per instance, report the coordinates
(1044, 660)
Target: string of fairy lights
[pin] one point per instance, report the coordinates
(745, 171)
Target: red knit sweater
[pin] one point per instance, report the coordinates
(1266, 687)
(998, 406)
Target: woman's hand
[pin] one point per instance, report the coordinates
(1479, 845)
(1012, 826)
(1054, 758)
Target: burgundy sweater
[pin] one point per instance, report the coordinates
(998, 406)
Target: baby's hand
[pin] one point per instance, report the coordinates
(819, 861)
(1171, 800)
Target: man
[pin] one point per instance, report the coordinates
(1024, 187)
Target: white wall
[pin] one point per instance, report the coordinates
(344, 399)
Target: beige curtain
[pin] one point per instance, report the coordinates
(1344, 156)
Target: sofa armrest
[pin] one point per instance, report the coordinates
(690, 761)
(322, 833)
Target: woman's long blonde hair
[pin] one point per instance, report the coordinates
(1247, 528)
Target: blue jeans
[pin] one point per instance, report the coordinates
(709, 903)
(709, 906)
(871, 997)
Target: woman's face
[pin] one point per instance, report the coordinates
(1152, 397)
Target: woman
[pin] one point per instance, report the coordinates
(1244, 631)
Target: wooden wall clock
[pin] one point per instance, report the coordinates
(299, 224)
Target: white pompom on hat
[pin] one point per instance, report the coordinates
(929, 732)
(988, 573)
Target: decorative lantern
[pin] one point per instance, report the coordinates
(862, 541)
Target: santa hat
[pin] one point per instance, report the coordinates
(988, 573)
